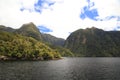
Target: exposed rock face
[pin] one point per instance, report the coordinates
(94, 42)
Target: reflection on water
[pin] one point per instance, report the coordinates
(64, 69)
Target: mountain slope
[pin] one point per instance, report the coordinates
(29, 30)
(94, 42)
(57, 44)
(52, 40)
(8, 29)
(14, 46)
(18, 43)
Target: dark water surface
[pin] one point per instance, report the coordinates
(64, 69)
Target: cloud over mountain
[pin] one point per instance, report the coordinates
(61, 16)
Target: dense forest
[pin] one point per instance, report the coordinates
(15, 46)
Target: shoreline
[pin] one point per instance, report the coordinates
(5, 58)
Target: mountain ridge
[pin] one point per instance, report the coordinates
(30, 30)
(53, 40)
(94, 42)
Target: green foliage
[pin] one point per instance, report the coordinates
(57, 45)
(93, 42)
(29, 30)
(63, 51)
(16, 46)
(53, 40)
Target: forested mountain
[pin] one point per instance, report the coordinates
(28, 43)
(53, 40)
(90, 42)
(29, 30)
(14, 46)
(94, 42)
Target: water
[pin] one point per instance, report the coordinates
(64, 69)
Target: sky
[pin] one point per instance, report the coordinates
(61, 17)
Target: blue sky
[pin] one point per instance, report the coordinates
(61, 17)
(44, 29)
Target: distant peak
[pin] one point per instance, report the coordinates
(2, 26)
(30, 23)
(93, 28)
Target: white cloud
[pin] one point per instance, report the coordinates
(107, 7)
(62, 17)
